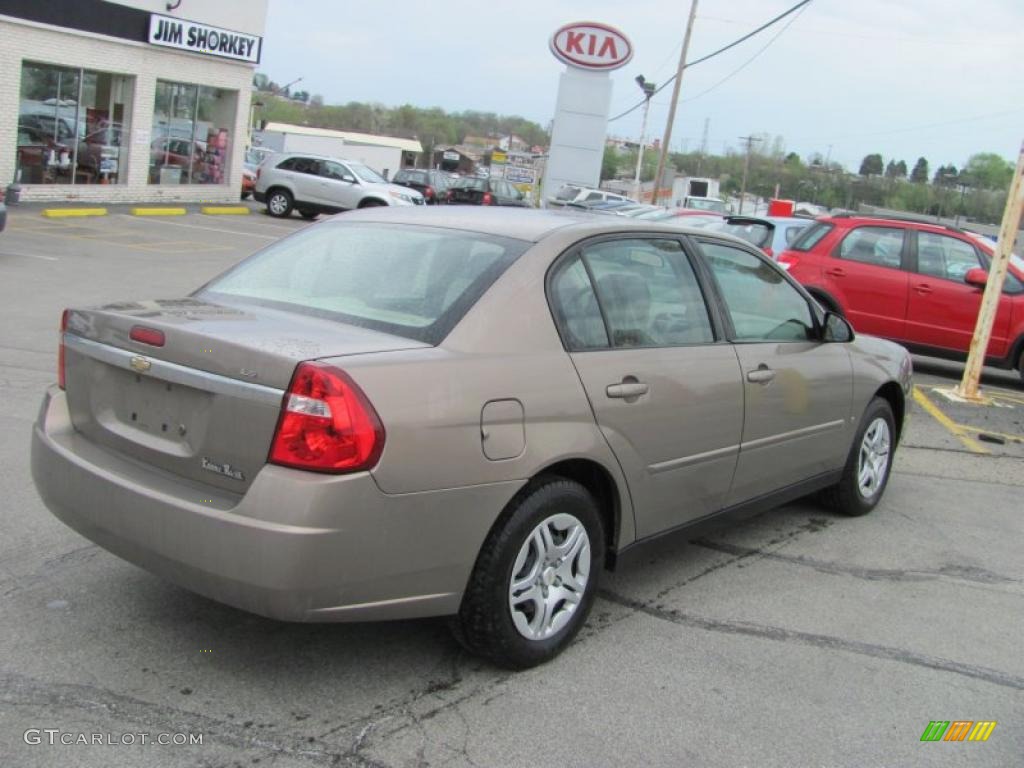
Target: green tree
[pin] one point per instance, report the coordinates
(988, 170)
(901, 169)
(920, 173)
(261, 82)
(871, 165)
(609, 163)
(945, 175)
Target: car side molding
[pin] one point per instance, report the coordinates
(727, 516)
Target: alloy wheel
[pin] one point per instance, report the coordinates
(873, 462)
(549, 577)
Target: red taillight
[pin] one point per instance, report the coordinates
(60, 349)
(487, 198)
(144, 335)
(326, 423)
(428, 192)
(787, 260)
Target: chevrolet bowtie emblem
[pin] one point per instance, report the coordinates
(140, 364)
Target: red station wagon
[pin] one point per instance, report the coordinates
(916, 283)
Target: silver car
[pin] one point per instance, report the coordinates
(458, 411)
(311, 185)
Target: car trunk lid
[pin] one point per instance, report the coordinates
(205, 404)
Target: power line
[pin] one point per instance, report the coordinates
(711, 55)
(747, 63)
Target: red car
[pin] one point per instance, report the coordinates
(916, 283)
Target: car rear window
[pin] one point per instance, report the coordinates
(478, 184)
(411, 281)
(567, 193)
(418, 177)
(811, 236)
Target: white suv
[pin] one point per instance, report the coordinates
(311, 184)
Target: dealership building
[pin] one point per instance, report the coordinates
(133, 101)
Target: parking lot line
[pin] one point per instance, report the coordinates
(32, 256)
(952, 427)
(197, 226)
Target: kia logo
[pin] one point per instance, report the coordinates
(589, 45)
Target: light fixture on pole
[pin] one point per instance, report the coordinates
(648, 88)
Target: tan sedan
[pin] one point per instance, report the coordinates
(457, 411)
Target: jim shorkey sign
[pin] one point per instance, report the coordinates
(590, 51)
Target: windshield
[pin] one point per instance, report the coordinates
(367, 174)
(415, 282)
(567, 193)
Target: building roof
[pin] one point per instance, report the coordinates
(349, 137)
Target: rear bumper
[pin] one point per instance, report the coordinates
(259, 197)
(297, 546)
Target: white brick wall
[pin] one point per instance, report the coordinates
(26, 41)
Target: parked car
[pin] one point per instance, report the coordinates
(433, 185)
(465, 412)
(571, 193)
(311, 185)
(713, 204)
(772, 234)
(910, 281)
(486, 192)
(248, 182)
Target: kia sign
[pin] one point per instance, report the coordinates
(589, 45)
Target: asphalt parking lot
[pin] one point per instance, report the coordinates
(796, 639)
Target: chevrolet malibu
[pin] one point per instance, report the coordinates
(464, 412)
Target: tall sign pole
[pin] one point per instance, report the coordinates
(968, 388)
(675, 101)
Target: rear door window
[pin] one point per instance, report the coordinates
(576, 309)
(648, 293)
(879, 246)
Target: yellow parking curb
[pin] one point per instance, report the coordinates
(159, 211)
(225, 210)
(67, 213)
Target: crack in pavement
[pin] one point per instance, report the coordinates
(952, 572)
(21, 690)
(826, 642)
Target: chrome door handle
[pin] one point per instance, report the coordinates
(761, 375)
(627, 389)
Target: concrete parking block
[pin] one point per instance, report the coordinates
(225, 210)
(68, 213)
(159, 211)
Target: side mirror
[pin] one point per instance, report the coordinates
(836, 329)
(977, 277)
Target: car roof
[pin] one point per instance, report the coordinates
(528, 224)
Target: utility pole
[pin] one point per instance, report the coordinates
(648, 89)
(968, 388)
(746, 167)
(675, 102)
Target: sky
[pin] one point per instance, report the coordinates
(905, 78)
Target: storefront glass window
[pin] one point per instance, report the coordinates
(191, 134)
(72, 126)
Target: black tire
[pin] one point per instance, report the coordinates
(280, 203)
(484, 624)
(309, 215)
(847, 496)
(372, 203)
